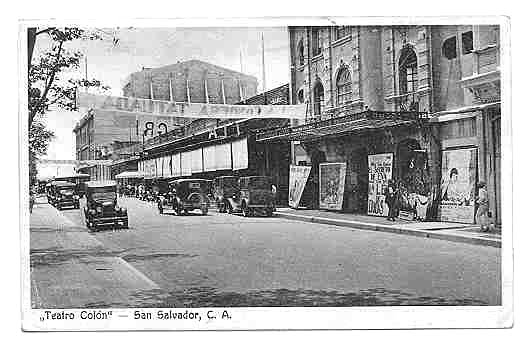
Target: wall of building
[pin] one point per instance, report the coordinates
(196, 72)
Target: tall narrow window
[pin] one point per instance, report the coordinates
(407, 69)
(344, 87)
(449, 48)
(318, 98)
(342, 31)
(316, 42)
(300, 51)
(300, 96)
(467, 39)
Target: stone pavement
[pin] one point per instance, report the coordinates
(70, 268)
(456, 232)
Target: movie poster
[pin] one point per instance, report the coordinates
(458, 181)
(298, 175)
(380, 173)
(331, 185)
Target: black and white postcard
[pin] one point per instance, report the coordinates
(243, 174)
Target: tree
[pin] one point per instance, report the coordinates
(47, 87)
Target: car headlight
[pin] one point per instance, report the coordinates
(91, 211)
(76, 197)
(99, 209)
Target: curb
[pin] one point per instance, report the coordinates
(392, 229)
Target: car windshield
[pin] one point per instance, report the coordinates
(260, 183)
(66, 191)
(103, 195)
(229, 182)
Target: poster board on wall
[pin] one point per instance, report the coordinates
(458, 185)
(223, 156)
(331, 185)
(209, 158)
(240, 157)
(380, 173)
(197, 160)
(176, 164)
(186, 163)
(298, 176)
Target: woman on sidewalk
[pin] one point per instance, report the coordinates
(482, 213)
(391, 199)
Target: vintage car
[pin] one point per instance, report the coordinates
(223, 189)
(102, 206)
(255, 195)
(166, 195)
(63, 194)
(190, 194)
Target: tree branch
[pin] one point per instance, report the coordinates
(50, 79)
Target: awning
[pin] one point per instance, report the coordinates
(368, 120)
(461, 113)
(130, 175)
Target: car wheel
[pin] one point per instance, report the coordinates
(204, 210)
(229, 207)
(185, 211)
(161, 210)
(269, 212)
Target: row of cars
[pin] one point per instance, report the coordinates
(248, 195)
(101, 208)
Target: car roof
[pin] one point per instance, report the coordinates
(62, 183)
(99, 184)
(226, 177)
(188, 180)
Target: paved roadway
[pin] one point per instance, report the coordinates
(229, 260)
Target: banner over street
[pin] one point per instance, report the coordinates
(183, 109)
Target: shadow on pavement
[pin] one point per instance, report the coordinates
(210, 297)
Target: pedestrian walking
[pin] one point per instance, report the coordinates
(391, 199)
(483, 216)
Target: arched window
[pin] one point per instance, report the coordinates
(300, 52)
(300, 96)
(318, 99)
(344, 87)
(407, 68)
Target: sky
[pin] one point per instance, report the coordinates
(155, 47)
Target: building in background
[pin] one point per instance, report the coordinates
(211, 148)
(112, 135)
(416, 94)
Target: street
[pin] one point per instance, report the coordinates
(228, 260)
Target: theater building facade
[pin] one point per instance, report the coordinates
(406, 105)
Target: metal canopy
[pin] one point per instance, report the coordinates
(368, 120)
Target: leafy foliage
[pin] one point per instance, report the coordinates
(47, 87)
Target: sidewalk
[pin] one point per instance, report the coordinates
(456, 232)
(70, 268)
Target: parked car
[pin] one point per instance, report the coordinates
(102, 206)
(190, 194)
(254, 195)
(223, 189)
(63, 194)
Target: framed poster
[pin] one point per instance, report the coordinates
(458, 182)
(331, 185)
(298, 175)
(380, 173)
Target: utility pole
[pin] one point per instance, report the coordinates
(263, 65)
